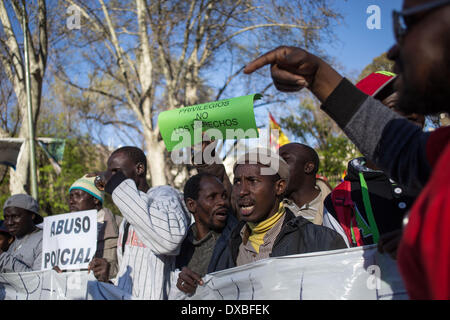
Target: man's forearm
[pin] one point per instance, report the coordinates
(392, 142)
(325, 81)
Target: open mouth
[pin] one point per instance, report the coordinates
(221, 214)
(246, 209)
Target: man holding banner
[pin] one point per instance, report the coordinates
(21, 213)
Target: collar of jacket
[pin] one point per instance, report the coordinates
(291, 223)
(357, 165)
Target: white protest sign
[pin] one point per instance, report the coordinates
(69, 240)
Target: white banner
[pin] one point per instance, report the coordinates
(353, 274)
(69, 240)
(45, 285)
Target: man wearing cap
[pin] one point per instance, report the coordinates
(267, 228)
(84, 195)
(21, 214)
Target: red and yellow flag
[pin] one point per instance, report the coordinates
(282, 139)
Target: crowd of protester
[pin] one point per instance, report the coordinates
(396, 196)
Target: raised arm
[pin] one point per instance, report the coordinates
(383, 136)
(158, 216)
(293, 69)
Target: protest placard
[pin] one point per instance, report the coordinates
(183, 127)
(69, 240)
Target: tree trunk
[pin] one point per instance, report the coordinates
(155, 159)
(19, 177)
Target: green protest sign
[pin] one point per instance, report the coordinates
(183, 127)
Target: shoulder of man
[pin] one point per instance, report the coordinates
(324, 238)
(165, 191)
(320, 237)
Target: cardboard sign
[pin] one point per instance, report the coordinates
(69, 240)
(183, 127)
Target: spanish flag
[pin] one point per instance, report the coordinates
(282, 138)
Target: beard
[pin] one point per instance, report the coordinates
(433, 98)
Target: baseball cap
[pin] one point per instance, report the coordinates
(377, 82)
(26, 202)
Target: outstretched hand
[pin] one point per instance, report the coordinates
(293, 69)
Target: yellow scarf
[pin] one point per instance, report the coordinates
(259, 230)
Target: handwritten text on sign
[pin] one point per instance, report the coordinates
(70, 240)
(220, 119)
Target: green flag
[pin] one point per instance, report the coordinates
(54, 149)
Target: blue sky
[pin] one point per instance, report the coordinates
(357, 44)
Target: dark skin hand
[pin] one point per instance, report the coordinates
(293, 69)
(102, 179)
(388, 243)
(57, 269)
(188, 281)
(100, 267)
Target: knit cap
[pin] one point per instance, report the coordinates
(375, 82)
(87, 184)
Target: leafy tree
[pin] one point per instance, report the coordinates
(12, 59)
(149, 56)
(380, 63)
(314, 128)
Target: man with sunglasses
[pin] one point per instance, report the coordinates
(419, 161)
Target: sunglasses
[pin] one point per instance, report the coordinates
(404, 20)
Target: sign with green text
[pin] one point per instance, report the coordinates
(183, 127)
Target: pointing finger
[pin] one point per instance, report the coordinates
(270, 57)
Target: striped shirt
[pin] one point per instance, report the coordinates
(158, 225)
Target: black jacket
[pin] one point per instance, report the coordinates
(389, 201)
(297, 235)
